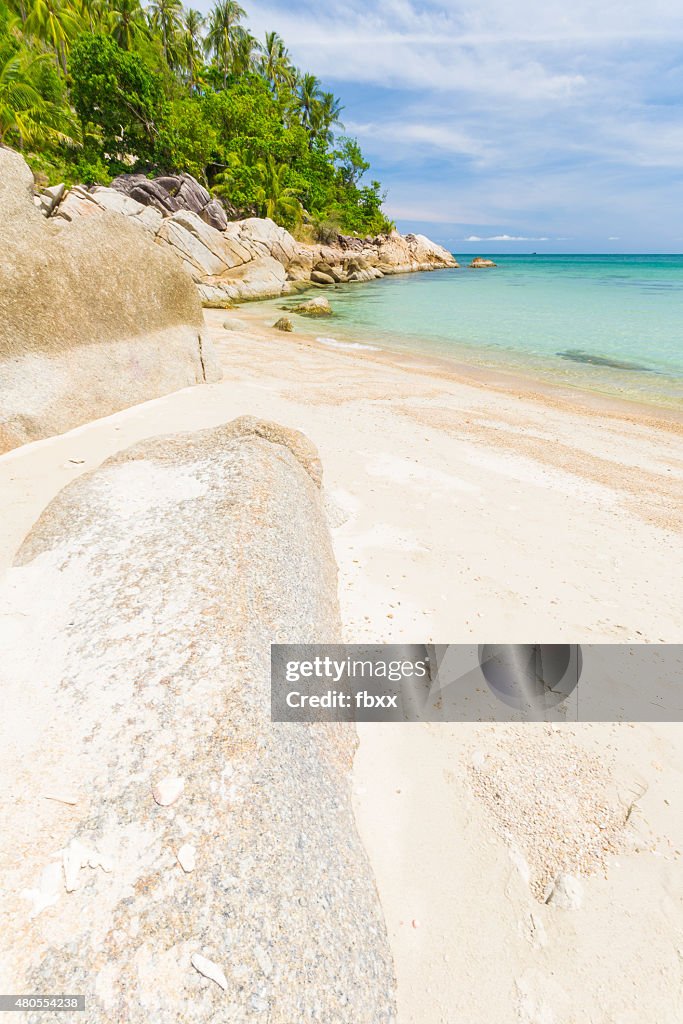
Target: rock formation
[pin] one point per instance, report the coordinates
(93, 315)
(246, 259)
(480, 262)
(193, 861)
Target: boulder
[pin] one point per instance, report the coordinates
(215, 216)
(268, 239)
(176, 564)
(235, 324)
(283, 324)
(94, 317)
(208, 251)
(300, 267)
(480, 262)
(313, 307)
(320, 278)
(261, 278)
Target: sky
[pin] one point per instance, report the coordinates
(508, 125)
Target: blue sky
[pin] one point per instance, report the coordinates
(525, 125)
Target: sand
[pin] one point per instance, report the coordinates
(468, 507)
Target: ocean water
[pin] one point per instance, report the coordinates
(611, 324)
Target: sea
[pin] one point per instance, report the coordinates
(608, 324)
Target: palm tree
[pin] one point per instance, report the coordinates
(127, 23)
(54, 22)
(274, 63)
(243, 52)
(191, 45)
(325, 114)
(23, 110)
(309, 95)
(165, 17)
(92, 13)
(275, 199)
(220, 40)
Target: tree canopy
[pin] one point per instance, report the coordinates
(93, 88)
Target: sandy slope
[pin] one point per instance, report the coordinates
(468, 512)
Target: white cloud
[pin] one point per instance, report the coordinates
(505, 238)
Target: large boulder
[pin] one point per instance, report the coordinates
(312, 307)
(399, 254)
(193, 861)
(93, 316)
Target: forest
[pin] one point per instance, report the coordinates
(90, 89)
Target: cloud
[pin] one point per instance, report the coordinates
(563, 119)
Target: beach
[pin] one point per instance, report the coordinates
(467, 506)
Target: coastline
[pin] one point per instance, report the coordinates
(462, 508)
(573, 397)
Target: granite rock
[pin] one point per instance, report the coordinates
(177, 563)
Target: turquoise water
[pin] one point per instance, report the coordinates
(557, 317)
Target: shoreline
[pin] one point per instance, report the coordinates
(570, 396)
(459, 512)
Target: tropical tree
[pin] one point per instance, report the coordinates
(54, 22)
(191, 47)
(325, 114)
(274, 63)
(165, 16)
(309, 97)
(244, 51)
(221, 37)
(127, 23)
(24, 112)
(275, 199)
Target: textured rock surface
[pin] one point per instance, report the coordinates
(177, 563)
(246, 259)
(479, 262)
(93, 315)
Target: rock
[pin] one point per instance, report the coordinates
(299, 268)
(261, 278)
(331, 272)
(214, 215)
(566, 893)
(480, 261)
(235, 325)
(167, 790)
(283, 324)
(266, 238)
(321, 278)
(187, 857)
(176, 563)
(209, 969)
(314, 307)
(94, 317)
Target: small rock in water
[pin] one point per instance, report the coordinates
(167, 790)
(209, 969)
(283, 324)
(187, 857)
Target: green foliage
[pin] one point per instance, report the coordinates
(90, 88)
(116, 91)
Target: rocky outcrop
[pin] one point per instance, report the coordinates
(94, 316)
(312, 307)
(231, 261)
(480, 262)
(203, 864)
(172, 193)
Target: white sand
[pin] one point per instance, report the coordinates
(469, 512)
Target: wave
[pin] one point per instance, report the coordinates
(333, 343)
